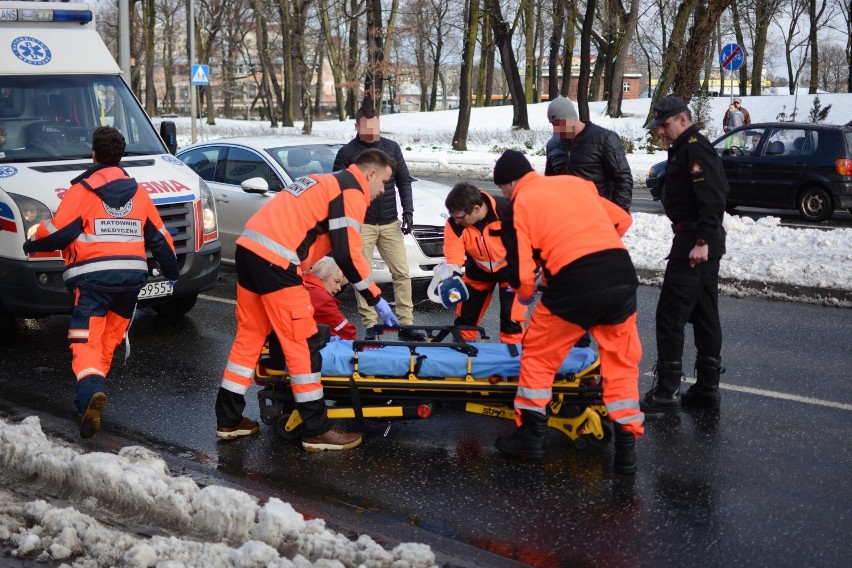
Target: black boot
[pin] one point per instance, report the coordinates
(663, 398)
(705, 392)
(625, 450)
(528, 440)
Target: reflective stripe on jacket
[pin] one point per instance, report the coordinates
(481, 250)
(310, 217)
(102, 227)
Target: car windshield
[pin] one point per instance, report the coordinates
(52, 117)
(305, 159)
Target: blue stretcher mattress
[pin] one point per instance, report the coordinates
(436, 362)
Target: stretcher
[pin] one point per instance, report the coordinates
(377, 379)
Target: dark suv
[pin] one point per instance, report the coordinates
(783, 165)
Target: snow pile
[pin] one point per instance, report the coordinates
(225, 527)
(759, 250)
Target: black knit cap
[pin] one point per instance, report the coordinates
(511, 166)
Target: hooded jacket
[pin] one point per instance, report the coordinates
(383, 209)
(102, 226)
(480, 247)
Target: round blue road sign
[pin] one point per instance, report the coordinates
(731, 57)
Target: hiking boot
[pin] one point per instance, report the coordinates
(91, 421)
(334, 439)
(705, 392)
(663, 398)
(246, 427)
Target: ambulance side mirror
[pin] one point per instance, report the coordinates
(168, 132)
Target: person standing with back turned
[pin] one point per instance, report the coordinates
(694, 200)
(381, 228)
(573, 235)
(103, 225)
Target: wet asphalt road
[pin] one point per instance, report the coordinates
(764, 483)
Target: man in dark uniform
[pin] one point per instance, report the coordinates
(694, 200)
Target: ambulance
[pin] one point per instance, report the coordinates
(58, 83)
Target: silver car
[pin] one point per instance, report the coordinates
(245, 172)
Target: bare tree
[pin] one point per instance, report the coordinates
(794, 40)
(627, 22)
(585, 60)
(503, 40)
(471, 19)
(815, 14)
(373, 78)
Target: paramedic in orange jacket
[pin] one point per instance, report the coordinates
(472, 237)
(304, 221)
(102, 227)
(562, 226)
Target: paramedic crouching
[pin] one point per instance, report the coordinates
(561, 225)
(304, 221)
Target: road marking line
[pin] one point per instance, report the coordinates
(217, 299)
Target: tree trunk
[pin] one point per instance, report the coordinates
(264, 89)
(390, 31)
(374, 76)
(528, 8)
(738, 33)
(815, 14)
(568, 53)
(668, 68)
(333, 60)
(686, 81)
(503, 40)
(149, 26)
(471, 12)
(765, 13)
(616, 90)
(553, 51)
(436, 61)
(485, 48)
(354, 55)
(585, 60)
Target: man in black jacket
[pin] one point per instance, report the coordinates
(582, 149)
(694, 200)
(381, 228)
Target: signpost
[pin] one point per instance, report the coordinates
(731, 58)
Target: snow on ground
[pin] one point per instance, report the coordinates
(217, 526)
(211, 526)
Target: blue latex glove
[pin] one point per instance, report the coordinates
(386, 313)
(521, 300)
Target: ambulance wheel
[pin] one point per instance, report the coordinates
(175, 307)
(281, 423)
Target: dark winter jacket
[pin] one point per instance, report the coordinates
(597, 155)
(383, 209)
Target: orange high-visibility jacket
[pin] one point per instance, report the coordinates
(312, 216)
(483, 249)
(102, 227)
(562, 224)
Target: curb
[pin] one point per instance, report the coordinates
(771, 290)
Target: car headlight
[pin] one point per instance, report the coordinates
(32, 212)
(208, 209)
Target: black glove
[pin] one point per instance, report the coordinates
(407, 222)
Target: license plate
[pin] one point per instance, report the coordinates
(155, 290)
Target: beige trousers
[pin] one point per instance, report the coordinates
(388, 239)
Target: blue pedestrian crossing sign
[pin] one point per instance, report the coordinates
(731, 57)
(200, 75)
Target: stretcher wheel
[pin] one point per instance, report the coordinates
(592, 441)
(280, 429)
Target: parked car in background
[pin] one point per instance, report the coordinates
(245, 173)
(783, 165)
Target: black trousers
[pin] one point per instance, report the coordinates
(689, 295)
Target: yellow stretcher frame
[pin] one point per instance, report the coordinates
(576, 409)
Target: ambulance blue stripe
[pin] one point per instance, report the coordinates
(6, 211)
(178, 199)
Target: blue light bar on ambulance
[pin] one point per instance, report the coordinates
(47, 15)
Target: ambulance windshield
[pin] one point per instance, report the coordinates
(52, 117)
